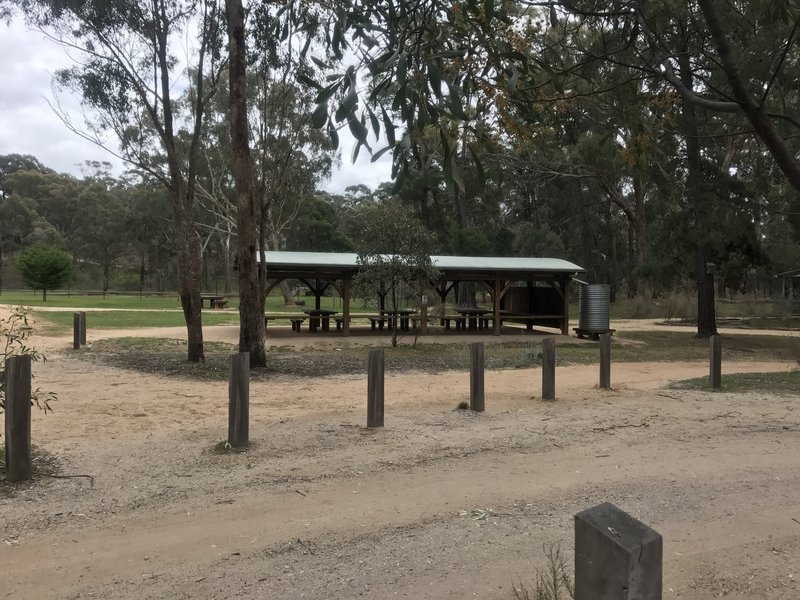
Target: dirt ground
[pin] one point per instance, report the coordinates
(440, 503)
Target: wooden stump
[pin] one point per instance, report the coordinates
(476, 387)
(18, 419)
(616, 556)
(605, 361)
(375, 388)
(239, 400)
(715, 366)
(549, 369)
(76, 331)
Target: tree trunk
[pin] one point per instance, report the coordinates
(698, 200)
(189, 265)
(252, 332)
(288, 300)
(225, 242)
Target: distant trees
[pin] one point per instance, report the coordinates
(44, 268)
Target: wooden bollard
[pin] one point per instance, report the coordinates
(76, 331)
(476, 387)
(375, 388)
(18, 418)
(715, 367)
(549, 369)
(239, 400)
(616, 556)
(83, 328)
(605, 361)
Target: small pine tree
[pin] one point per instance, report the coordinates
(44, 268)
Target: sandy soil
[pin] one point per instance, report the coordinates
(438, 504)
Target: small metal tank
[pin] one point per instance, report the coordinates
(594, 300)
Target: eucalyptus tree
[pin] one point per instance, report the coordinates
(128, 61)
(394, 253)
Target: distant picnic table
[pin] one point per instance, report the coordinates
(213, 301)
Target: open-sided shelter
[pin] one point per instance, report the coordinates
(533, 289)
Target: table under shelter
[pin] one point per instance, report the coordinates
(532, 291)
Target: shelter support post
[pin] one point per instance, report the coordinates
(346, 306)
(565, 306)
(496, 304)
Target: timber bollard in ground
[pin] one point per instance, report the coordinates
(18, 418)
(83, 328)
(239, 401)
(616, 556)
(549, 369)
(715, 367)
(76, 331)
(605, 361)
(476, 388)
(375, 388)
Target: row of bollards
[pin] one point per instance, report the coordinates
(375, 369)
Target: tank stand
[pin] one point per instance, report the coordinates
(592, 335)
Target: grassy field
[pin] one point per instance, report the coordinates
(60, 322)
(168, 356)
(776, 383)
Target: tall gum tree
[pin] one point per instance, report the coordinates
(127, 66)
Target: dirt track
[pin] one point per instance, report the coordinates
(439, 504)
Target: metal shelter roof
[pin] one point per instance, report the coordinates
(310, 262)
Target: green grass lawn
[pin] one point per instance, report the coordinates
(775, 383)
(61, 322)
(62, 299)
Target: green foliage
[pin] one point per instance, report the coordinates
(44, 267)
(15, 331)
(394, 254)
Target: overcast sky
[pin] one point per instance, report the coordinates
(29, 126)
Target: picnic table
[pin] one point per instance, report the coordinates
(403, 316)
(213, 301)
(474, 316)
(319, 317)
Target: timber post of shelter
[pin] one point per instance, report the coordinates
(76, 331)
(19, 466)
(375, 388)
(239, 400)
(616, 556)
(715, 366)
(476, 377)
(346, 306)
(549, 369)
(605, 361)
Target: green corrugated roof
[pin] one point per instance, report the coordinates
(459, 263)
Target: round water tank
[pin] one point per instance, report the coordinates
(594, 300)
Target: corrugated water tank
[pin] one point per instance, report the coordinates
(594, 300)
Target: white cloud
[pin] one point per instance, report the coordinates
(28, 125)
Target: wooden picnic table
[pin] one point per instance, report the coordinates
(214, 301)
(403, 316)
(474, 316)
(319, 317)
